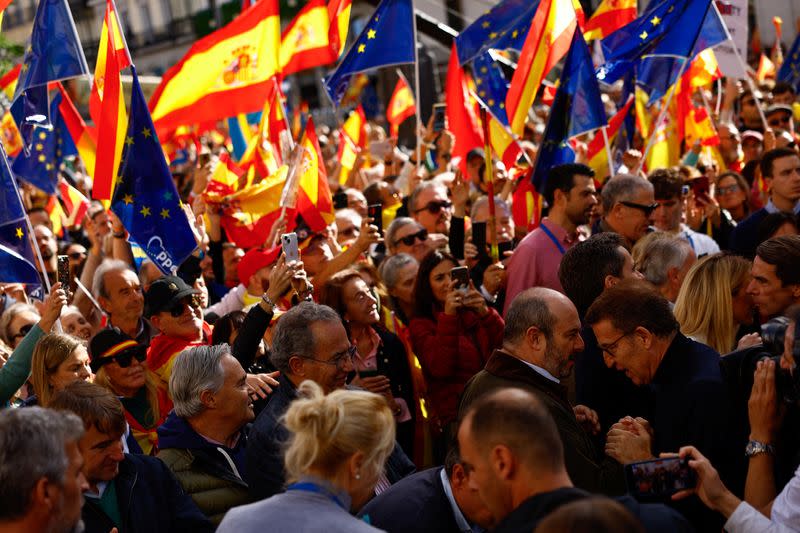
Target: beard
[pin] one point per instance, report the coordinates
(561, 364)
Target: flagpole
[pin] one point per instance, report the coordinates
(416, 86)
(608, 152)
(489, 177)
(511, 134)
(121, 33)
(662, 114)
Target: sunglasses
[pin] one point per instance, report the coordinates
(123, 359)
(646, 209)
(730, 189)
(23, 331)
(435, 207)
(76, 255)
(408, 240)
(177, 308)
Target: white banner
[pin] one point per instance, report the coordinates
(734, 14)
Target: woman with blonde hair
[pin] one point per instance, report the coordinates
(335, 456)
(58, 360)
(713, 302)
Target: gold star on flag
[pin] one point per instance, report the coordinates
(643, 35)
(128, 141)
(485, 24)
(48, 166)
(491, 102)
(655, 21)
(24, 68)
(671, 9)
(41, 158)
(514, 34)
(146, 133)
(128, 199)
(42, 135)
(482, 94)
(371, 34)
(502, 105)
(165, 213)
(39, 146)
(361, 48)
(145, 211)
(20, 234)
(493, 35)
(478, 81)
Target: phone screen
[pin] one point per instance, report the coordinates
(700, 186)
(340, 200)
(375, 212)
(659, 479)
(461, 276)
(290, 248)
(439, 117)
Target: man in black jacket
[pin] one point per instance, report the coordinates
(133, 493)
(310, 342)
(513, 455)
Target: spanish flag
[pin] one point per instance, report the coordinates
(107, 104)
(314, 199)
(85, 139)
(609, 16)
(76, 204)
(56, 214)
(548, 40)
(401, 106)
(8, 128)
(352, 139)
(339, 17)
(461, 118)
(223, 74)
(305, 43)
(596, 153)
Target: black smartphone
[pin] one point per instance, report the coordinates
(375, 212)
(503, 247)
(700, 186)
(340, 200)
(291, 251)
(658, 479)
(461, 276)
(63, 274)
(368, 373)
(439, 118)
(479, 238)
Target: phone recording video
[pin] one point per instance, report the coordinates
(461, 276)
(439, 119)
(64, 275)
(375, 212)
(658, 479)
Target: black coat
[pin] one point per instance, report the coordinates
(150, 501)
(265, 472)
(744, 237)
(416, 504)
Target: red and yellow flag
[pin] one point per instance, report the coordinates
(352, 139)
(56, 214)
(401, 106)
(85, 139)
(76, 204)
(339, 17)
(314, 199)
(596, 153)
(547, 42)
(526, 205)
(8, 128)
(766, 69)
(267, 146)
(305, 43)
(461, 118)
(609, 16)
(107, 104)
(223, 74)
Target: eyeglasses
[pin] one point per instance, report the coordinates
(646, 209)
(608, 349)
(76, 255)
(435, 207)
(24, 330)
(730, 189)
(778, 121)
(340, 360)
(177, 308)
(408, 240)
(123, 359)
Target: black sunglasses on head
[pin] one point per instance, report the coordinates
(435, 207)
(408, 240)
(23, 331)
(646, 208)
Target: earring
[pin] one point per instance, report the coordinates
(358, 476)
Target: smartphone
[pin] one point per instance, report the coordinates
(291, 251)
(700, 186)
(439, 117)
(368, 373)
(340, 200)
(479, 238)
(63, 274)
(503, 247)
(658, 479)
(375, 212)
(461, 276)
(380, 149)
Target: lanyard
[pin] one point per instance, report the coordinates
(552, 238)
(313, 487)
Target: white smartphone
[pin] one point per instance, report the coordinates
(291, 251)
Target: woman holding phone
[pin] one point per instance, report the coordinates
(453, 333)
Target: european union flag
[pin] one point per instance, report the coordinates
(145, 198)
(577, 108)
(40, 166)
(16, 254)
(54, 54)
(790, 70)
(491, 86)
(387, 39)
(503, 27)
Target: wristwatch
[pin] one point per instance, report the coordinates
(755, 447)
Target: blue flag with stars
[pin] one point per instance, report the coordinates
(491, 85)
(387, 39)
(145, 198)
(577, 108)
(50, 146)
(790, 70)
(16, 254)
(503, 27)
(54, 54)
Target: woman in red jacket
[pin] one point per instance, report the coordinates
(453, 334)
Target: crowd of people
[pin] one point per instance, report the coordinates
(366, 386)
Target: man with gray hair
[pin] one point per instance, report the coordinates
(119, 292)
(309, 342)
(628, 205)
(203, 440)
(664, 262)
(541, 339)
(41, 479)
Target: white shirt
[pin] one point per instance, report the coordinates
(543, 372)
(784, 517)
(701, 243)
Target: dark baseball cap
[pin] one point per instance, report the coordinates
(164, 293)
(110, 343)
